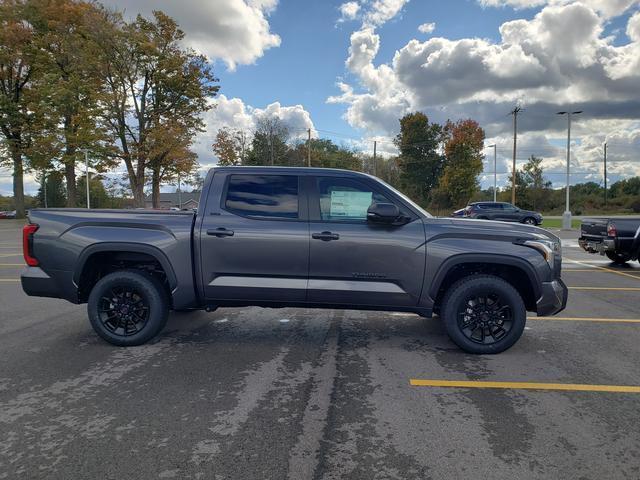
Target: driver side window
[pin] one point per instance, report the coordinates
(345, 199)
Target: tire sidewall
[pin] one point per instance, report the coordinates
(617, 258)
(149, 288)
(455, 297)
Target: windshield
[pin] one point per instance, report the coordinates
(405, 198)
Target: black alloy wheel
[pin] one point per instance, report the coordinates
(485, 319)
(123, 311)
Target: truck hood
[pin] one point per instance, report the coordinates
(509, 229)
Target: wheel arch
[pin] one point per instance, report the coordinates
(94, 257)
(518, 272)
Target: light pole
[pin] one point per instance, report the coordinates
(495, 172)
(566, 216)
(86, 166)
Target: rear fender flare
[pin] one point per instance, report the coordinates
(125, 247)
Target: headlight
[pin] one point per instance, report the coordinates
(547, 248)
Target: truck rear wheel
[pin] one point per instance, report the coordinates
(128, 308)
(617, 258)
(483, 314)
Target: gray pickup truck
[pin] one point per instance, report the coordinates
(299, 237)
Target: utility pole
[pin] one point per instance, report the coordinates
(271, 146)
(495, 172)
(515, 113)
(86, 164)
(309, 148)
(605, 174)
(375, 151)
(566, 216)
(179, 194)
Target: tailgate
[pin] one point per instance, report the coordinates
(595, 228)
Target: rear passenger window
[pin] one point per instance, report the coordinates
(263, 195)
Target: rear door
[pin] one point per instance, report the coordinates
(353, 262)
(254, 239)
(510, 213)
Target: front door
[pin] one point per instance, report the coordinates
(254, 239)
(354, 262)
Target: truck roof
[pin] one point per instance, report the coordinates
(296, 170)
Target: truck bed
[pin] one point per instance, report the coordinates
(67, 238)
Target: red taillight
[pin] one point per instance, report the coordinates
(27, 244)
(611, 230)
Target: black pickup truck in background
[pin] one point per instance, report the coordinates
(618, 237)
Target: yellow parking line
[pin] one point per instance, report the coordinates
(586, 319)
(576, 387)
(4, 255)
(623, 289)
(12, 265)
(624, 274)
(592, 269)
(9, 279)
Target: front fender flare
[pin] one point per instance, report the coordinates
(487, 258)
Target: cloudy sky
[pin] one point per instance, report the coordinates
(350, 70)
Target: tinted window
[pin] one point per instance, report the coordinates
(263, 195)
(346, 199)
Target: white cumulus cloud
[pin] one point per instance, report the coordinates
(348, 11)
(233, 113)
(427, 27)
(234, 31)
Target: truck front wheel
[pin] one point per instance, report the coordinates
(483, 314)
(128, 308)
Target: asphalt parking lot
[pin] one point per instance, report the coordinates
(300, 394)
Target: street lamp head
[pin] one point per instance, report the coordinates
(575, 113)
(561, 113)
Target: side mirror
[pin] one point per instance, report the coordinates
(383, 213)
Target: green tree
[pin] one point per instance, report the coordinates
(535, 186)
(463, 161)
(230, 146)
(55, 190)
(18, 92)
(71, 85)
(269, 144)
(419, 161)
(156, 91)
(98, 196)
(325, 154)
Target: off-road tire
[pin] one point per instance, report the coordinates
(455, 303)
(148, 295)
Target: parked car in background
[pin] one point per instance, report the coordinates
(305, 237)
(617, 238)
(458, 213)
(504, 212)
(8, 215)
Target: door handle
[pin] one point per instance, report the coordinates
(220, 232)
(326, 236)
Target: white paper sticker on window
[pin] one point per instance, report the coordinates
(350, 204)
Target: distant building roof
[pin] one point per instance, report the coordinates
(175, 197)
